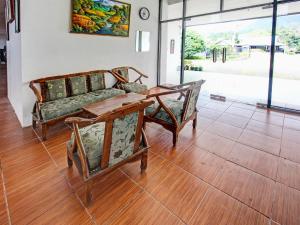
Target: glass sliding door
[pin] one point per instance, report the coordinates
(231, 51)
(286, 81)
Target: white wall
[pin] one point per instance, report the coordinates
(14, 71)
(49, 49)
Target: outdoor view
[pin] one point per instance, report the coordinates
(234, 58)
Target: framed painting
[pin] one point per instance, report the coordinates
(9, 11)
(17, 16)
(102, 17)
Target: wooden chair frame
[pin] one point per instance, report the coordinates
(184, 90)
(139, 153)
(41, 98)
(123, 79)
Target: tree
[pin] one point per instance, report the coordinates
(194, 44)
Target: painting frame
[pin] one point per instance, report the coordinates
(9, 11)
(102, 34)
(17, 16)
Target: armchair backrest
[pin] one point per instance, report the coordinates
(191, 99)
(123, 135)
(122, 71)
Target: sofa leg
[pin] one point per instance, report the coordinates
(70, 161)
(175, 138)
(44, 131)
(195, 122)
(34, 124)
(144, 161)
(88, 193)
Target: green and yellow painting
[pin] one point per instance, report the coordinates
(103, 17)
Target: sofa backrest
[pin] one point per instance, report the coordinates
(56, 87)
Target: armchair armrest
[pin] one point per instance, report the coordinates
(167, 93)
(36, 92)
(139, 72)
(119, 78)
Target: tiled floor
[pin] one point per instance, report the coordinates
(240, 167)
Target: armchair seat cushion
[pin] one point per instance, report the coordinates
(107, 93)
(135, 87)
(92, 139)
(175, 106)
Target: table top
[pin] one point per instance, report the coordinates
(111, 104)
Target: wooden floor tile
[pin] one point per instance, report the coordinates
(155, 163)
(250, 188)
(255, 160)
(286, 206)
(59, 155)
(265, 128)
(290, 150)
(218, 106)
(244, 106)
(225, 130)
(30, 203)
(291, 136)
(68, 211)
(264, 116)
(209, 113)
(179, 191)
(203, 123)
(289, 173)
(233, 120)
(216, 144)
(260, 141)
(240, 112)
(292, 124)
(219, 208)
(200, 163)
(145, 210)
(110, 195)
(58, 138)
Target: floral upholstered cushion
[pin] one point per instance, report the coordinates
(175, 106)
(135, 87)
(123, 137)
(97, 82)
(193, 98)
(78, 85)
(107, 93)
(92, 138)
(61, 107)
(56, 89)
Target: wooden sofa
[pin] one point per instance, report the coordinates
(63, 96)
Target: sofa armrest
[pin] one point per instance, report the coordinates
(36, 92)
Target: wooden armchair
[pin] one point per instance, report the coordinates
(173, 114)
(100, 145)
(123, 82)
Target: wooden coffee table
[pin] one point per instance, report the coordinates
(98, 108)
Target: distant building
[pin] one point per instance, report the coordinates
(263, 43)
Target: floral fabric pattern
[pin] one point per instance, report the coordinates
(192, 103)
(97, 82)
(123, 137)
(134, 87)
(124, 73)
(56, 89)
(92, 138)
(107, 93)
(175, 106)
(61, 107)
(78, 85)
(54, 109)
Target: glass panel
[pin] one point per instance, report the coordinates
(286, 83)
(233, 4)
(197, 7)
(171, 9)
(142, 42)
(231, 51)
(171, 52)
